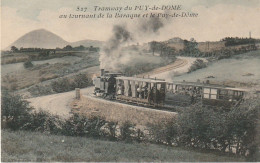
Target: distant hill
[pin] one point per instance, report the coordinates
(42, 38)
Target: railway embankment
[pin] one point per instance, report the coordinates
(120, 112)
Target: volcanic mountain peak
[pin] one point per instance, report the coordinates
(40, 38)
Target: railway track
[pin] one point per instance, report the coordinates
(177, 64)
(138, 104)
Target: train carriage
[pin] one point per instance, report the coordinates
(157, 92)
(222, 96)
(140, 90)
(209, 94)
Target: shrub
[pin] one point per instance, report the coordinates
(243, 126)
(28, 64)
(163, 133)
(61, 85)
(198, 64)
(207, 128)
(81, 81)
(112, 129)
(64, 85)
(14, 111)
(43, 121)
(79, 125)
(127, 131)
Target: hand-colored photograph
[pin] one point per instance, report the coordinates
(130, 81)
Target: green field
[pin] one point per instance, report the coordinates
(243, 68)
(33, 146)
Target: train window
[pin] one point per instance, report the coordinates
(210, 93)
(169, 87)
(238, 94)
(206, 90)
(163, 86)
(223, 94)
(126, 86)
(230, 92)
(213, 91)
(173, 88)
(213, 96)
(158, 86)
(206, 95)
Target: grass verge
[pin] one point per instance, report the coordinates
(32, 146)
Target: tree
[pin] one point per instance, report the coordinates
(191, 47)
(14, 49)
(81, 47)
(14, 111)
(27, 64)
(68, 47)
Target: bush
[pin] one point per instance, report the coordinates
(198, 64)
(61, 85)
(243, 126)
(196, 126)
(64, 84)
(81, 81)
(43, 121)
(27, 64)
(163, 133)
(127, 131)
(207, 128)
(79, 125)
(14, 111)
(112, 130)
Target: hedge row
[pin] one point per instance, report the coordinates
(196, 126)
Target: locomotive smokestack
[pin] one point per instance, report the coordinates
(102, 72)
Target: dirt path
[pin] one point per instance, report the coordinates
(57, 103)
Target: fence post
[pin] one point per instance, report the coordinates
(77, 93)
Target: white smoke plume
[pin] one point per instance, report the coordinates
(115, 52)
(111, 54)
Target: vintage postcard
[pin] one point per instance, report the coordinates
(130, 80)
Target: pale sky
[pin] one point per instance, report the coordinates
(217, 19)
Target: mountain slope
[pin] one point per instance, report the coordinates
(40, 38)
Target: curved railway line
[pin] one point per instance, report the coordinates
(177, 64)
(60, 103)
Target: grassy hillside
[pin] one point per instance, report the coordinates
(243, 68)
(28, 146)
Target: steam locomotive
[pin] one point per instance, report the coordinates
(158, 92)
